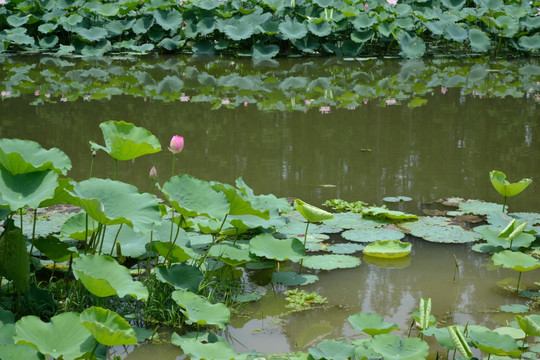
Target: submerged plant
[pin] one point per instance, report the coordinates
(504, 187)
(299, 300)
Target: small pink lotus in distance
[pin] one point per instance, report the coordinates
(392, 2)
(177, 144)
(444, 90)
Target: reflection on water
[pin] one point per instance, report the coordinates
(357, 151)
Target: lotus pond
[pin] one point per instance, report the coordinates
(385, 236)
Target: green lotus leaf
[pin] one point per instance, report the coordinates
(260, 51)
(332, 350)
(479, 40)
(412, 47)
(455, 32)
(107, 327)
(514, 333)
(361, 36)
(230, 254)
(458, 341)
(177, 254)
(392, 347)
(103, 276)
(206, 26)
(344, 248)
(194, 197)
(320, 29)
(267, 246)
(371, 324)
(370, 235)
(200, 349)
(492, 237)
(14, 260)
(351, 48)
(143, 24)
(17, 20)
(238, 204)
(529, 324)
(349, 220)
(437, 229)
(113, 202)
(324, 3)
(54, 249)
(238, 30)
(478, 207)
(441, 335)
(453, 4)
(168, 20)
(492, 342)
(28, 189)
(6, 317)
(292, 29)
(515, 308)
(169, 85)
(517, 261)
(108, 10)
(19, 352)
(504, 187)
(290, 278)
(389, 249)
(93, 33)
(180, 276)
(311, 213)
(364, 21)
(308, 44)
(48, 42)
(384, 213)
(206, 4)
(125, 141)
(331, 262)
(530, 43)
(274, 4)
(25, 156)
(63, 337)
(200, 311)
(76, 227)
(397, 199)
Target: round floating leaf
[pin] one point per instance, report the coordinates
(492, 237)
(344, 248)
(103, 276)
(28, 189)
(392, 347)
(125, 141)
(107, 327)
(348, 220)
(311, 213)
(371, 324)
(384, 213)
(437, 229)
(331, 262)
(515, 260)
(492, 342)
(181, 276)
(478, 207)
(267, 246)
(388, 249)
(193, 197)
(504, 187)
(292, 29)
(64, 336)
(397, 263)
(293, 279)
(113, 202)
(399, 198)
(370, 235)
(479, 40)
(333, 350)
(515, 308)
(200, 311)
(197, 349)
(25, 156)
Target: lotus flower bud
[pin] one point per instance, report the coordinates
(177, 144)
(153, 174)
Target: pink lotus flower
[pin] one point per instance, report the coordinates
(5, 93)
(392, 2)
(324, 109)
(444, 90)
(245, 103)
(366, 6)
(48, 96)
(225, 101)
(36, 93)
(365, 101)
(308, 102)
(3, 2)
(391, 101)
(63, 98)
(153, 174)
(184, 98)
(177, 144)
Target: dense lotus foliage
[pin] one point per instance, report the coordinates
(269, 28)
(120, 260)
(269, 85)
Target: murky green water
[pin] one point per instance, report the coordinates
(475, 117)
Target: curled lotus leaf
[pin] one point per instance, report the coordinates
(492, 237)
(312, 213)
(384, 213)
(107, 327)
(504, 187)
(27, 189)
(331, 262)
(25, 156)
(529, 324)
(389, 249)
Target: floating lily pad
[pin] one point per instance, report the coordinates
(492, 342)
(492, 237)
(388, 249)
(267, 246)
(392, 347)
(510, 331)
(437, 229)
(349, 220)
(478, 207)
(332, 350)
(371, 324)
(331, 262)
(371, 235)
(293, 279)
(396, 199)
(515, 308)
(344, 248)
(384, 213)
(207, 349)
(397, 263)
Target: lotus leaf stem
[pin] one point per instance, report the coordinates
(149, 257)
(214, 238)
(33, 231)
(116, 238)
(174, 241)
(102, 238)
(115, 169)
(519, 280)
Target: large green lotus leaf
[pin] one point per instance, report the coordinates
(312, 213)
(515, 308)
(292, 29)
(504, 187)
(492, 342)
(92, 34)
(389, 249)
(238, 30)
(384, 213)
(478, 207)
(437, 229)
(6, 316)
(197, 349)
(332, 350)
(349, 220)
(529, 324)
(64, 336)
(76, 227)
(239, 205)
(54, 249)
(321, 28)
(263, 202)
(27, 189)
(125, 141)
(194, 197)
(132, 244)
(392, 347)
(231, 254)
(261, 51)
(168, 20)
(371, 324)
(177, 254)
(331, 262)
(7, 330)
(514, 333)
(14, 260)
(370, 235)
(479, 40)
(453, 4)
(113, 202)
(267, 246)
(442, 335)
(24, 156)
(107, 327)
(517, 261)
(492, 237)
(19, 352)
(344, 248)
(247, 222)
(200, 311)
(181, 276)
(61, 194)
(530, 43)
(412, 47)
(103, 276)
(290, 278)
